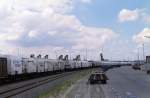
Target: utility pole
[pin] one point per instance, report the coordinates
(56, 54)
(143, 52)
(86, 54)
(102, 50)
(18, 52)
(138, 56)
(70, 54)
(143, 45)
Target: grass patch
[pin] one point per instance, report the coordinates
(61, 88)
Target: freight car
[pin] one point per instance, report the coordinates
(12, 68)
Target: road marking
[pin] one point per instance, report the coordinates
(116, 93)
(119, 96)
(77, 96)
(87, 93)
(130, 95)
(97, 89)
(89, 90)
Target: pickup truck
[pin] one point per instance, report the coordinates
(98, 77)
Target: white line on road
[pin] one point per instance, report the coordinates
(130, 95)
(88, 91)
(116, 93)
(77, 96)
(97, 89)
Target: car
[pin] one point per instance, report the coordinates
(98, 77)
(136, 67)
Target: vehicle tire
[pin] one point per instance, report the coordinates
(91, 82)
(104, 82)
(148, 72)
(88, 82)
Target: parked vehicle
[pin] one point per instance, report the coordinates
(136, 67)
(98, 77)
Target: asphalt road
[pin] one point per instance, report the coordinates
(125, 82)
(83, 90)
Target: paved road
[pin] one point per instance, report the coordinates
(83, 90)
(128, 83)
(124, 82)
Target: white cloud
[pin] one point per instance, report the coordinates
(133, 15)
(128, 15)
(146, 17)
(47, 24)
(87, 1)
(140, 37)
(94, 38)
(32, 33)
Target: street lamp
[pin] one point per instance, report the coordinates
(147, 36)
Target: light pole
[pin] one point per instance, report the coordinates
(147, 37)
(138, 55)
(143, 52)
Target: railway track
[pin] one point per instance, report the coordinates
(9, 92)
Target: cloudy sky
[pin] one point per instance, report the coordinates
(114, 27)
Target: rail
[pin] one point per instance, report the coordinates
(10, 92)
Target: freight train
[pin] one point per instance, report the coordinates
(12, 68)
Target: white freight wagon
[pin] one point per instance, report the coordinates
(55, 65)
(10, 65)
(40, 65)
(48, 65)
(29, 65)
(61, 65)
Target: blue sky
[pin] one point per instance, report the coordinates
(117, 26)
(103, 13)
